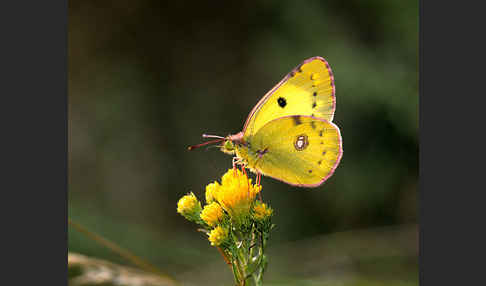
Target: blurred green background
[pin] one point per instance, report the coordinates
(147, 78)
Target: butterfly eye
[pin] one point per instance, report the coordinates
(301, 142)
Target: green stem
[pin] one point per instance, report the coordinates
(248, 255)
(258, 274)
(241, 278)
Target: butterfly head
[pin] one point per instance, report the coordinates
(231, 142)
(229, 145)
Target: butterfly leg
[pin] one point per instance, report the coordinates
(259, 178)
(235, 161)
(243, 169)
(238, 161)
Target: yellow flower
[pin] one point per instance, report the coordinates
(212, 214)
(211, 190)
(189, 207)
(218, 235)
(262, 211)
(236, 194)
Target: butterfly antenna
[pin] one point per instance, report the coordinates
(205, 143)
(212, 136)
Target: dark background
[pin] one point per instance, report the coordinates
(146, 79)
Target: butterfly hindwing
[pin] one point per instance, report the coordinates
(299, 150)
(307, 90)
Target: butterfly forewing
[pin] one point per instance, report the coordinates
(299, 150)
(307, 90)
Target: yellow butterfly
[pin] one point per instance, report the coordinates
(289, 134)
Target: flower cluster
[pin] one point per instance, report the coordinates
(235, 221)
(189, 207)
(262, 211)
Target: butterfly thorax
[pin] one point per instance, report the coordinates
(243, 149)
(247, 156)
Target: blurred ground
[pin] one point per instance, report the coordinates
(379, 256)
(147, 78)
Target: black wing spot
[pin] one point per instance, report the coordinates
(310, 171)
(282, 102)
(322, 142)
(319, 162)
(315, 92)
(314, 105)
(297, 120)
(320, 133)
(323, 153)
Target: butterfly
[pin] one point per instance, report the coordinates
(289, 134)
